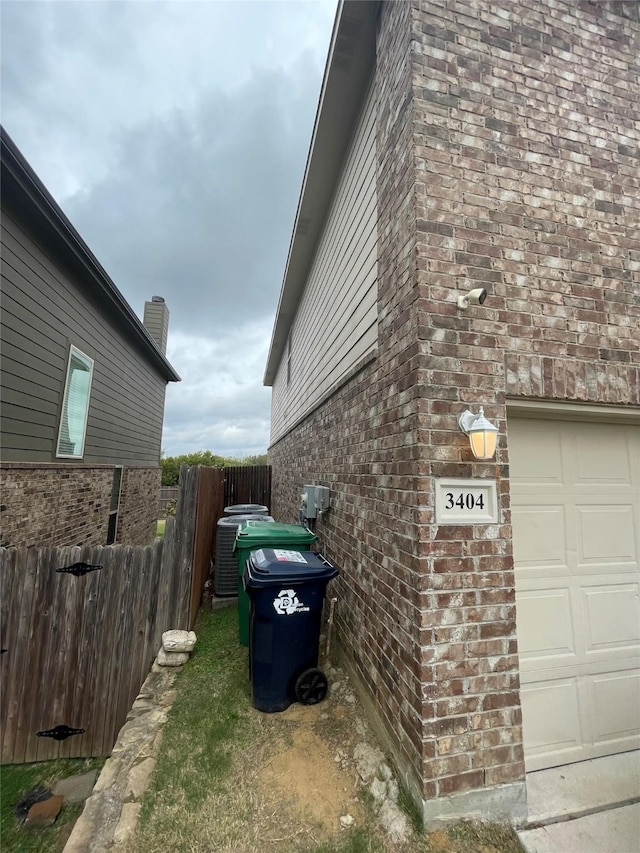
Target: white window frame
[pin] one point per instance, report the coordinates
(74, 351)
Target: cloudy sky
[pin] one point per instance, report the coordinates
(174, 136)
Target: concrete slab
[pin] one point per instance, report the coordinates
(614, 831)
(578, 789)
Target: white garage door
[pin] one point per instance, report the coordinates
(575, 495)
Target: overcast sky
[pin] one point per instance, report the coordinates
(174, 136)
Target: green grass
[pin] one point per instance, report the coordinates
(209, 720)
(358, 840)
(15, 781)
(160, 526)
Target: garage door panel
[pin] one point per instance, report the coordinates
(576, 522)
(551, 714)
(554, 607)
(595, 467)
(606, 537)
(616, 708)
(540, 460)
(541, 542)
(612, 617)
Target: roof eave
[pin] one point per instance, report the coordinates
(16, 167)
(347, 72)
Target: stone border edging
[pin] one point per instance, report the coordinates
(110, 815)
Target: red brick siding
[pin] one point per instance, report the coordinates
(67, 504)
(139, 505)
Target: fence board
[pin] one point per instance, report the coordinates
(85, 661)
(15, 590)
(209, 508)
(69, 658)
(188, 508)
(35, 657)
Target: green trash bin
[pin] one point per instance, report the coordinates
(263, 534)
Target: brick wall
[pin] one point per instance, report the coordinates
(139, 505)
(506, 146)
(67, 504)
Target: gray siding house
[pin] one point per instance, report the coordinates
(83, 382)
(487, 606)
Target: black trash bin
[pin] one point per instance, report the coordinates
(286, 590)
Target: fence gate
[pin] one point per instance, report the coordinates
(80, 628)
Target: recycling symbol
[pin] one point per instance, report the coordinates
(287, 602)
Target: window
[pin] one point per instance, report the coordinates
(114, 506)
(75, 405)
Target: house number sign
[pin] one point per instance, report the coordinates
(466, 501)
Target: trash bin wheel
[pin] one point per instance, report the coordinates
(311, 686)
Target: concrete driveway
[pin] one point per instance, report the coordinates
(589, 807)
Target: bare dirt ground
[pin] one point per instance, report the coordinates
(308, 778)
(321, 782)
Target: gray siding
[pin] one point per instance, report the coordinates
(43, 313)
(336, 322)
(156, 322)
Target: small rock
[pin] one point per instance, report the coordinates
(367, 759)
(43, 813)
(171, 658)
(76, 789)
(347, 820)
(378, 789)
(394, 821)
(178, 641)
(393, 792)
(35, 795)
(384, 771)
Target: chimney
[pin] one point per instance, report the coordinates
(156, 321)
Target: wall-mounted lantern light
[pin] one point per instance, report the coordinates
(483, 435)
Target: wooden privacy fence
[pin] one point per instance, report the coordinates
(247, 484)
(218, 488)
(242, 484)
(80, 629)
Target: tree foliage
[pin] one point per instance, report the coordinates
(171, 464)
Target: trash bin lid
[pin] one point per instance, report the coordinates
(243, 509)
(275, 566)
(256, 534)
(238, 520)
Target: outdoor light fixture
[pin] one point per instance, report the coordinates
(483, 435)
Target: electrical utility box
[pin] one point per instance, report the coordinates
(315, 501)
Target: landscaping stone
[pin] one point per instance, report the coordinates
(127, 823)
(178, 641)
(44, 813)
(172, 658)
(76, 789)
(139, 778)
(35, 795)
